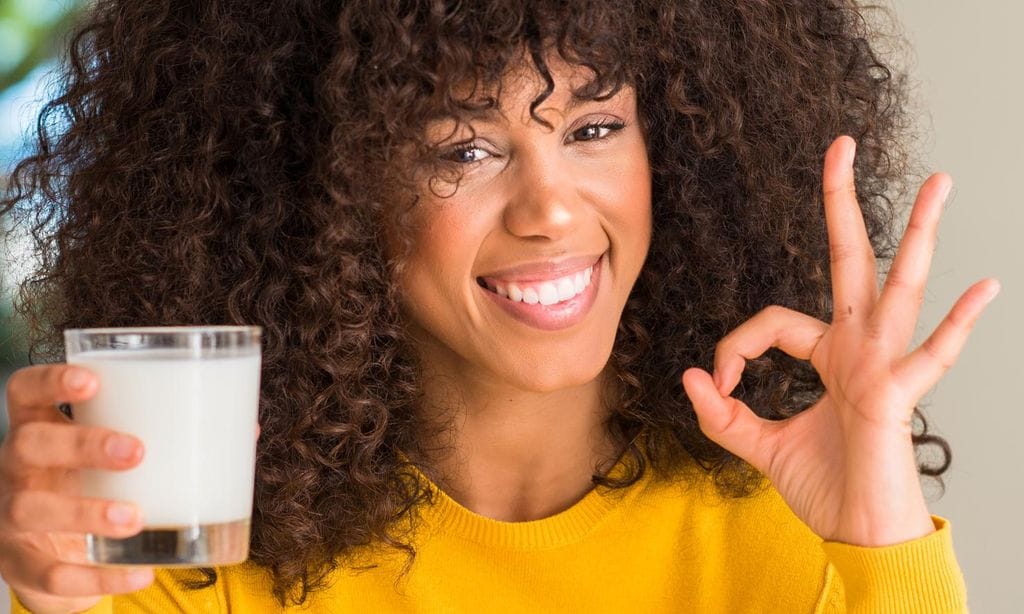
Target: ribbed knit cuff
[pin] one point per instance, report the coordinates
(921, 575)
(105, 606)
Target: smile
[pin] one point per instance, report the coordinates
(547, 304)
(546, 292)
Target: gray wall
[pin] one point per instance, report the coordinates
(966, 58)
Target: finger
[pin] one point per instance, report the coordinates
(729, 422)
(899, 305)
(38, 445)
(32, 392)
(35, 572)
(854, 288)
(792, 332)
(38, 510)
(923, 367)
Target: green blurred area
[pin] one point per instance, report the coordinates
(33, 33)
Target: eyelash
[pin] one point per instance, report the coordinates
(612, 126)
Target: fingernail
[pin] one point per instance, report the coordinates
(851, 153)
(120, 447)
(992, 291)
(119, 513)
(139, 578)
(945, 192)
(76, 379)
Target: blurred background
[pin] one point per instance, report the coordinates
(964, 61)
(31, 42)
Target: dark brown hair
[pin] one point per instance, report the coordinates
(222, 162)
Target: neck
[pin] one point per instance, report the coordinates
(516, 455)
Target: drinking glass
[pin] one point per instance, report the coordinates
(191, 395)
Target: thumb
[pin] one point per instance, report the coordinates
(728, 421)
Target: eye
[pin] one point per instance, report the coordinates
(597, 130)
(465, 154)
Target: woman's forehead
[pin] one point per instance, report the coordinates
(510, 99)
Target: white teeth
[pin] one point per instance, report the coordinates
(547, 292)
(514, 293)
(566, 289)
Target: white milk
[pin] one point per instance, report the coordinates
(197, 421)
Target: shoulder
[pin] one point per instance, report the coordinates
(761, 518)
(754, 544)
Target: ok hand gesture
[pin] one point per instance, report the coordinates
(846, 465)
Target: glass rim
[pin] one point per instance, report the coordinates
(170, 330)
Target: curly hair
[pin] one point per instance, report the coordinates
(225, 162)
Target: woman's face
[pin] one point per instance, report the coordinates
(520, 277)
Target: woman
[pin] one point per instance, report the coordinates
(487, 242)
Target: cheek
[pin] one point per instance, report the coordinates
(627, 194)
(445, 242)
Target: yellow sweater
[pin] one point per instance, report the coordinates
(655, 547)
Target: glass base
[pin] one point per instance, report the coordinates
(202, 545)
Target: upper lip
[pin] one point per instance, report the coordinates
(542, 270)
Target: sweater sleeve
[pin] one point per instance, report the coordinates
(919, 576)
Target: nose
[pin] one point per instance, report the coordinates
(547, 203)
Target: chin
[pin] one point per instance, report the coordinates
(553, 373)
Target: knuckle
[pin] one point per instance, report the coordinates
(929, 347)
(958, 319)
(847, 189)
(94, 515)
(109, 582)
(54, 376)
(17, 383)
(54, 579)
(874, 332)
(841, 252)
(920, 223)
(87, 444)
(841, 313)
(900, 280)
(916, 226)
(30, 385)
(21, 442)
(14, 384)
(116, 581)
(18, 510)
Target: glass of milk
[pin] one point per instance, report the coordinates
(191, 395)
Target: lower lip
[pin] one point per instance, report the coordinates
(552, 317)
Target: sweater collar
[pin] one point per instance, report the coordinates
(450, 518)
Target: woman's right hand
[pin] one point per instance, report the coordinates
(43, 517)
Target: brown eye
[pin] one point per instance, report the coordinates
(597, 131)
(465, 154)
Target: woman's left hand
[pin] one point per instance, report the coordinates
(846, 465)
